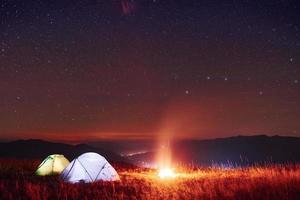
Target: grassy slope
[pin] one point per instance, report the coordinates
(274, 182)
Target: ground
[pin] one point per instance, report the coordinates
(17, 181)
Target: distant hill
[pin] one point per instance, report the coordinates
(240, 150)
(39, 149)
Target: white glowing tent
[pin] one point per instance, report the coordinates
(89, 167)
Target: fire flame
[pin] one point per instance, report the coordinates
(166, 173)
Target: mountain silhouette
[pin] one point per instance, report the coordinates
(40, 149)
(233, 151)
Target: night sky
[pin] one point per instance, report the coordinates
(121, 69)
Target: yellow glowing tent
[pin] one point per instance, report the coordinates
(53, 164)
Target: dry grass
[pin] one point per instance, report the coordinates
(272, 182)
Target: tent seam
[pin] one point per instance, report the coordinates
(100, 171)
(85, 170)
(70, 169)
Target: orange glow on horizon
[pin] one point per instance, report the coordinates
(77, 137)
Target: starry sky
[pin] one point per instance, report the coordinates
(133, 69)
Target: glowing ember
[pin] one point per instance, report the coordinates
(166, 173)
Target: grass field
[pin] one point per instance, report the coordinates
(17, 181)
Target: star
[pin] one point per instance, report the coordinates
(187, 92)
(208, 77)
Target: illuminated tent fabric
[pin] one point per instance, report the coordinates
(53, 164)
(89, 167)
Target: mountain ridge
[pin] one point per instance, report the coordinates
(237, 150)
(39, 149)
